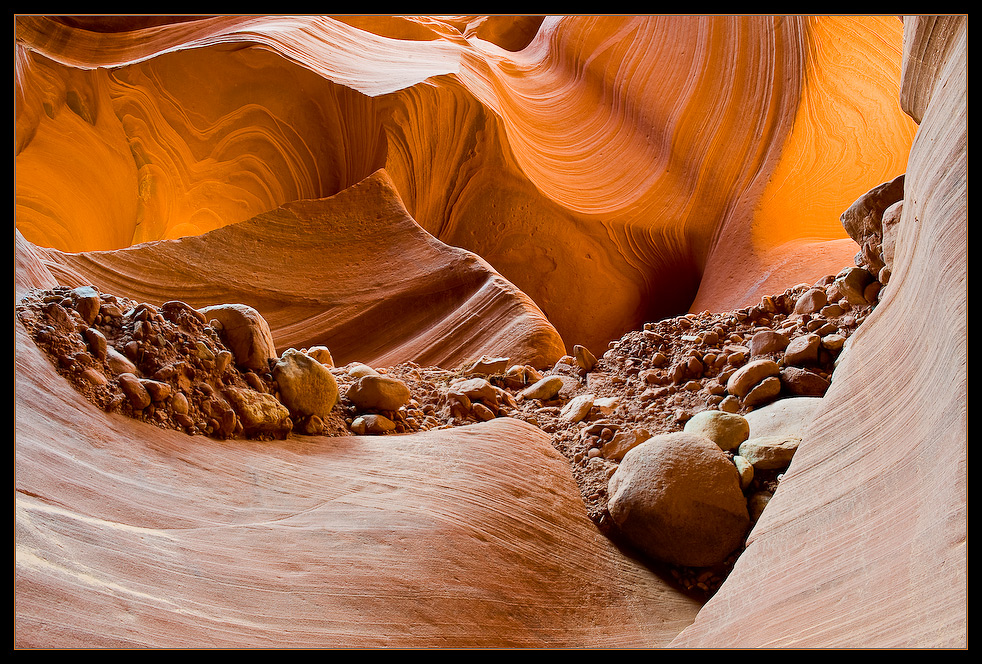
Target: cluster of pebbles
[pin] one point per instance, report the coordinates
(170, 366)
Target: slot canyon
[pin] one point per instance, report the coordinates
(499, 332)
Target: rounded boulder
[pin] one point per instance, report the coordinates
(378, 392)
(727, 430)
(245, 332)
(677, 498)
(306, 386)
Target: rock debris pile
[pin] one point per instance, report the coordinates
(677, 435)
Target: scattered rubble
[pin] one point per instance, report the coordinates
(214, 372)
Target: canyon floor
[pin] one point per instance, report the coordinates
(648, 382)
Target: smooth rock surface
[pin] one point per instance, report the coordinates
(677, 497)
(306, 386)
(308, 537)
(865, 543)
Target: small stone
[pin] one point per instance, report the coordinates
(97, 342)
(461, 403)
(179, 403)
(203, 351)
(544, 389)
(482, 412)
(766, 342)
(487, 366)
(176, 310)
(606, 405)
(576, 409)
(95, 377)
(852, 283)
(749, 375)
(358, 370)
(756, 504)
(658, 359)
(476, 389)
(157, 390)
(803, 383)
(584, 358)
(770, 452)
(746, 470)
(184, 420)
(313, 426)
(376, 392)
(322, 354)
(87, 303)
(134, 390)
(803, 350)
(833, 342)
(373, 424)
(223, 360)
(258, 412)
(872, 291)
(811, 301)
(764, 391)
(623, 442)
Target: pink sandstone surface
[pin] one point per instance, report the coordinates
(431, 189)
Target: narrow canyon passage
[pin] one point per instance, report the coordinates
(617, 204)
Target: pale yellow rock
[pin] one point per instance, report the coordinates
(306, 386)
(727, 430)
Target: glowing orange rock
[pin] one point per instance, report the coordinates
(617, 169)
(353, 272)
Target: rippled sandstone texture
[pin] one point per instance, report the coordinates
(612, 170)
(668, 158)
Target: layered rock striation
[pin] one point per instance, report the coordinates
(547, 218)
(668, 158)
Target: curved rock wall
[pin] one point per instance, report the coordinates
(864, 545)
(130, 536)
(667, 158)
(560, 180)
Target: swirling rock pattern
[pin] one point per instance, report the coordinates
(595, 172)
(353, 272)
(665, 157)
(878, 487)
(129, 536)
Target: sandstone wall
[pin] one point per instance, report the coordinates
(617, 169)
(586, 174)
(865, 543)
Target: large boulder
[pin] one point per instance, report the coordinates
(677, 497)
(378, 392)
(245, 332)
(863, 221)
(306, 386)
